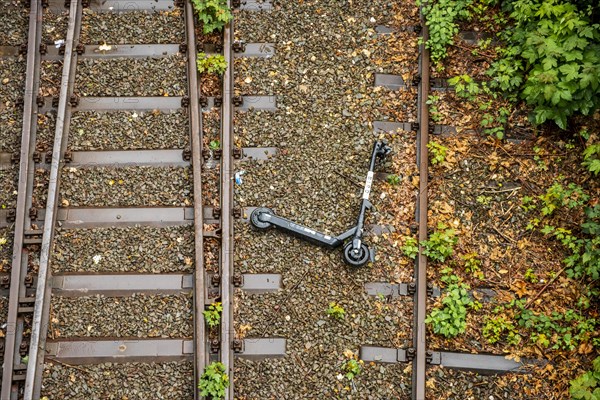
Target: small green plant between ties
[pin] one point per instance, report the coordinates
(212, 316)
(336, 311)
(213, 64)
(214, 14)
(214, 381)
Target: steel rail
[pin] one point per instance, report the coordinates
(42, 303)
(227, 173)
(17, 288)
(419, 333)
(200, 354)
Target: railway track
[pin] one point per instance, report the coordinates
(135, 185)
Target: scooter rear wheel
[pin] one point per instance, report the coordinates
(356, 260)
(256, 222)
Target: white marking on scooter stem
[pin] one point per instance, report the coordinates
(368, 184)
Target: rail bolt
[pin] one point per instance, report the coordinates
(218, 101)
(237, 346)
(236, 212)
(33, 213)
(216, 212)
(23, 348)
(55, 101)
(39, 100)
(5, 281)
(203, 101)
(215, 279)
(23, 49)
(237, 153)
(43, 49)
(11, 215)
(412, 288)
(48, 156)
(215, 346)
(28, 280)
(238, 46)
(37, 157)
(185, 101)
(61, 50)
(80, 49)
(237, 101)
(74, 100)
(187, 154)
(183, 47)
(237, 280)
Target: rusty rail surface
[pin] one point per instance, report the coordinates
(42, 300)
(14, 329)
(227, 176)
(420, 307)
(200, 356)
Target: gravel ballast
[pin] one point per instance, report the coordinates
(6, 249)
(127, 186)
(323, 74)
(132, 249)
(128, 130)
(133, 27)
(164, 381)
(132, 77)
(138, 315)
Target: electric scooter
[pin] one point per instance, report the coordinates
(356, 253)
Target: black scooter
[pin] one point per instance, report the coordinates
(356, 253)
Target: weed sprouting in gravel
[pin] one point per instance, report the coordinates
(212, 64)
(336, 311)
(441, 243)
(437, 152)
(212, 316)
(214, 381)
(214, 14)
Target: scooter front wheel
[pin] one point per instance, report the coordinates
(356, 259)
(255, 220)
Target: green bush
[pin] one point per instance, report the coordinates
(441, 18)
(212, 316)
(497, 328)
(440, 244)
(591, 158)
(437, 152)
(552, 59)
(450, 320)
(586, 386)
(410, 248)
(214, 14)
(212, 64)
(214, 381)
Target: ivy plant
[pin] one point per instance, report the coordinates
(214, 381)
(450, 319)
(441, 243)
(212, 315)
(441, 17)
(214, 14)
(212, 64)
(587, 385)
(552, 59)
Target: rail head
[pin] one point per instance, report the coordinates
(23, 198)
(40, 313)
(419, 330)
